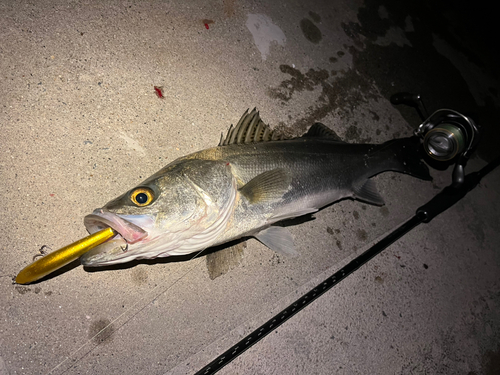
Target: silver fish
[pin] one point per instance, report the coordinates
(250, 181)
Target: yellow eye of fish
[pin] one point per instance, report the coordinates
(142, 196)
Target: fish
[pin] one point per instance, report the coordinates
(242, 188)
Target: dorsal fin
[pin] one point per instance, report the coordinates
(320, 130)
(250, 129)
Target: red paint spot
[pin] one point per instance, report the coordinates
(397, 256)
(159, 91)
(51, 195)
(206, 22)
(227, 163)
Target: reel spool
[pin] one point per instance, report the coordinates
(449, 135)
(446, 135)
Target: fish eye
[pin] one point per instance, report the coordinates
(142, 196)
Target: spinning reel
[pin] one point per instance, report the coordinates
(446, 135)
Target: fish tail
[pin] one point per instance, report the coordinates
(400, 155)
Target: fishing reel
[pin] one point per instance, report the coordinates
(447, 135)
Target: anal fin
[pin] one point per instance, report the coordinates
(278, 239)
(368, 193)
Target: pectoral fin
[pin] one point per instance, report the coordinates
(278, 239)
(267, 187)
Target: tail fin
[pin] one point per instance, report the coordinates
(399, 155)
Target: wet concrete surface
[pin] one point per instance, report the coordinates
(81, 124)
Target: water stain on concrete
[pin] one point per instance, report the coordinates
(275, 260)
(22, 289)
(356, 215)
(339, 244)
(315, 16)
(375, 116)
(343, 95)
(220, 262)
(101, 331)
(352, 133)
(206, 21)
(384, 211)
(352, 30)
(264, 32)
(139, 276)
(229, 8)
(477, 229)
(310, 31)
(361, 234)
(299, 82)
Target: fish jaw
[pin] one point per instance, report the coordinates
(100, 255)
(101, 219)
(129, 233)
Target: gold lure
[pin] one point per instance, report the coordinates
(59, 258)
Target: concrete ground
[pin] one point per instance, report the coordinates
(81, 124)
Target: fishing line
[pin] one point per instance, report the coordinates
(78, 359)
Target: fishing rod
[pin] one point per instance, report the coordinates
(447, 136)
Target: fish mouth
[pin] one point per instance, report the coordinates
(106, 253)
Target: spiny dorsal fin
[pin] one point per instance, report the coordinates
(320, 130)
(250, 129)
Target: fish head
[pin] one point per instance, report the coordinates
(179, 210)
